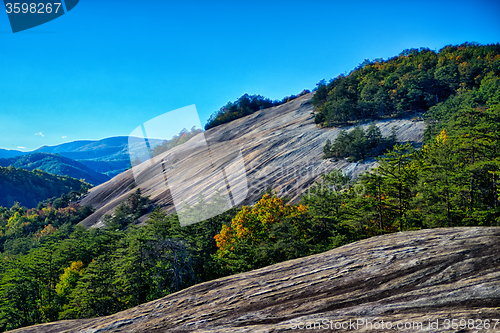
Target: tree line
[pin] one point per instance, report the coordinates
(409, 83)
(244, 106)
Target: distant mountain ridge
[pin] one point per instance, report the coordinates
(57, 165)
(107, 156)
(6, 153)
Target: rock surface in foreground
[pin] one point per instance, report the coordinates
(428, 275)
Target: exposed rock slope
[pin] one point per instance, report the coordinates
(428, 275)
(281, 147)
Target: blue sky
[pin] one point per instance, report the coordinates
(108, 66)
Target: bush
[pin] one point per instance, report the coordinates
(358, 144)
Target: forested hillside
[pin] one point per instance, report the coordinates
(411, 82)
(52, 269)
(30, 187)
(56, 165)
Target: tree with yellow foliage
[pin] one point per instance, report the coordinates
(69, 279)
(266, 233)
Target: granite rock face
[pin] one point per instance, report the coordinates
(281, 148)
(429, 276)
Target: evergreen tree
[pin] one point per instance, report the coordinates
(399, 170)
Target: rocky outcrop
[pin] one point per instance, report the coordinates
(430, 277)
(281, 148)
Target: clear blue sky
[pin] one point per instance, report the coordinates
(109, 65)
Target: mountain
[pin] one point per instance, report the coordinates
(57, 165)
(430, 276)
(30, 187)
(281, 148)
(107, 156)
(5, 153)
(89, 149)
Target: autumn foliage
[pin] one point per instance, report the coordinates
(258, 227)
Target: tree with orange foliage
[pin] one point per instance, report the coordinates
(266, 233)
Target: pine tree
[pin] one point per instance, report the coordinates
(399, 170)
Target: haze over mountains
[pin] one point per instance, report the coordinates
(96, 161)
(107, 156)
(6, 153)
